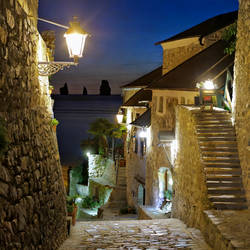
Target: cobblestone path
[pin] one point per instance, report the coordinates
(137, 234)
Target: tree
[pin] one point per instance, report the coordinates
(104, 88)
(229, 35)
(107, 135)
(64, 90)
(101, 129)
(85, 92)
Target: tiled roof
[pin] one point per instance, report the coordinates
(143, 120)
(146, 79)
(205, 28)
(208, 63)
(139, 98)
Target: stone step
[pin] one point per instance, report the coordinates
(223, 178)
(219, 148)
(217, 138)
(230, 206)
(213, 117)
(222, 165)
(215, 130)
(216, 126)
(227, 198)
(214, 122)
(231, 172)
(220, 158)
(207, 154)
(225, 191)
(232, 185)
(218, 143)
(216, 134)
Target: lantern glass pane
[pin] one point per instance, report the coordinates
(75, 43)
(119, 118)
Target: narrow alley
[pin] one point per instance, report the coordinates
(134, 234)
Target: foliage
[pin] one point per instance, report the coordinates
(54, 122)
(70, 208)
(3, 137)
(90, 145)
(89, 202)
(101, 129)
(51, 87)
(70, 203)
(104, 132)
(168, 194)
(229, 36)
(77, 173)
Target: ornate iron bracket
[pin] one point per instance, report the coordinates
(50, 68)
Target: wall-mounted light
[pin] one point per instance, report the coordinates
(143, 134)
(119, 116)
(208, 84)
(75, 40)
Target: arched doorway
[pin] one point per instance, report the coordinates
(165, 187)
(141, 195)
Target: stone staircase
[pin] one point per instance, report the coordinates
(118, 197)
(218, 146)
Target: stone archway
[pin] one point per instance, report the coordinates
(165, 185)
(141, 195)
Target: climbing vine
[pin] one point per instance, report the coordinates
(229, 36)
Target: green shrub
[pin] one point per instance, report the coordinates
(54, 122)
(168, 194)
(69, 208)
(89, 202)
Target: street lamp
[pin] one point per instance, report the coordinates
(75, 39)
(119, 116)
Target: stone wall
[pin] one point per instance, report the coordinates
(32, 195)
(190, 191)
(172, 57)
(135, 167)
(158, 156)
(241, 98)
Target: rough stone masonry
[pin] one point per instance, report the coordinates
(32, 196)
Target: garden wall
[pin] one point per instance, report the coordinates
(32, 195)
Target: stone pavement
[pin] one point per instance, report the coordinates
(136, 234)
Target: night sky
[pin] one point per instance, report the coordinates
(123, 35)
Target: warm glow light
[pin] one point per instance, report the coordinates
(208, 84)
(75, 39)
(75, 43)
(170, 182)
(119, 117)
(143, 134)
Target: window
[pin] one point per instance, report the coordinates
(143, 146)
(135, 144)
(160, 107)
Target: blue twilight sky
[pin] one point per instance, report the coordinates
(121, 47)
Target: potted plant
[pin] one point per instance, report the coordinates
(50, 89)
(54, 123)
(72, 208)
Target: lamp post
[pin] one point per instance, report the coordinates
(75, 40)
